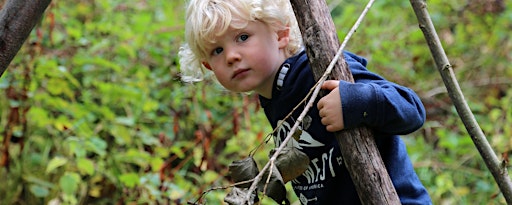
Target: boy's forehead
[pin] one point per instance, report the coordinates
(232, 27)
(217, 35)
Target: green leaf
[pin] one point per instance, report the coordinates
(62, 123)
(147, 138)
(128, 121)
(38, 116)
(38, 181)
(76, 147)
(85, 166)
(57, 86)
(156, 164)
(55, 163)
(122, 134)
(130, 180)
(97, 145)
(69, 183)
(210, 176)
(150, 106)
(39, 191)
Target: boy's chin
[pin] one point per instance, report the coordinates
(244, 91)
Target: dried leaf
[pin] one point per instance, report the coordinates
(243, 170)
(237, 196)
(275, 187)
(291, 163)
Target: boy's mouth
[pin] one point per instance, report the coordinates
(239, 72)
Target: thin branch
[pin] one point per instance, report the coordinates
(221, 187)
(311, 101)
(497, 168)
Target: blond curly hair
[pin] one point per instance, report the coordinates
(207, 19)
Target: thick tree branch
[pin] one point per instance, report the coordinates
(497, 168)
(17, 19)
(358, 146)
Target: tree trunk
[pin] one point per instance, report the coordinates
(358, 147)
(17, 19)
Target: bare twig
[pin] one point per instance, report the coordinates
(217, 188)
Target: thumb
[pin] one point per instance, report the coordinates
(330, 84)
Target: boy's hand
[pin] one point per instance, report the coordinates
(329, 107)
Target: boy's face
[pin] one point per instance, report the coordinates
(247, 59)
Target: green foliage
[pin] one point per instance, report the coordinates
(107, 119)
(92, 110)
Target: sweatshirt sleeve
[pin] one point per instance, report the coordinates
(377, 103)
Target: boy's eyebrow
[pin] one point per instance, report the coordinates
(209, 47)
(211, 42)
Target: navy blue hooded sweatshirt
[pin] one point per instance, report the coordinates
(387, 108)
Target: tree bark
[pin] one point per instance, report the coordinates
(17, 19)
(358, 147)
(498, 168)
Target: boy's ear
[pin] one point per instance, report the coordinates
(206, 65)
(283, 37)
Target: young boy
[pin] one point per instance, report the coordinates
(255, 45)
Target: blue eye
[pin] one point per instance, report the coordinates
(217, 51)
(243, 37)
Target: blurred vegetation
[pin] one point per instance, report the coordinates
(92, 110)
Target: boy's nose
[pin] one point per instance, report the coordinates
(232, 56)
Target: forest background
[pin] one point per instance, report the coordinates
(92, 109)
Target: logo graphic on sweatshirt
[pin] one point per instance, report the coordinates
(304, 200)
(320, 168)
(306, 140)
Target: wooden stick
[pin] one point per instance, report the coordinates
(497, 167)
(358, 146)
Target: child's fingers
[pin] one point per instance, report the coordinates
(330, 84)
